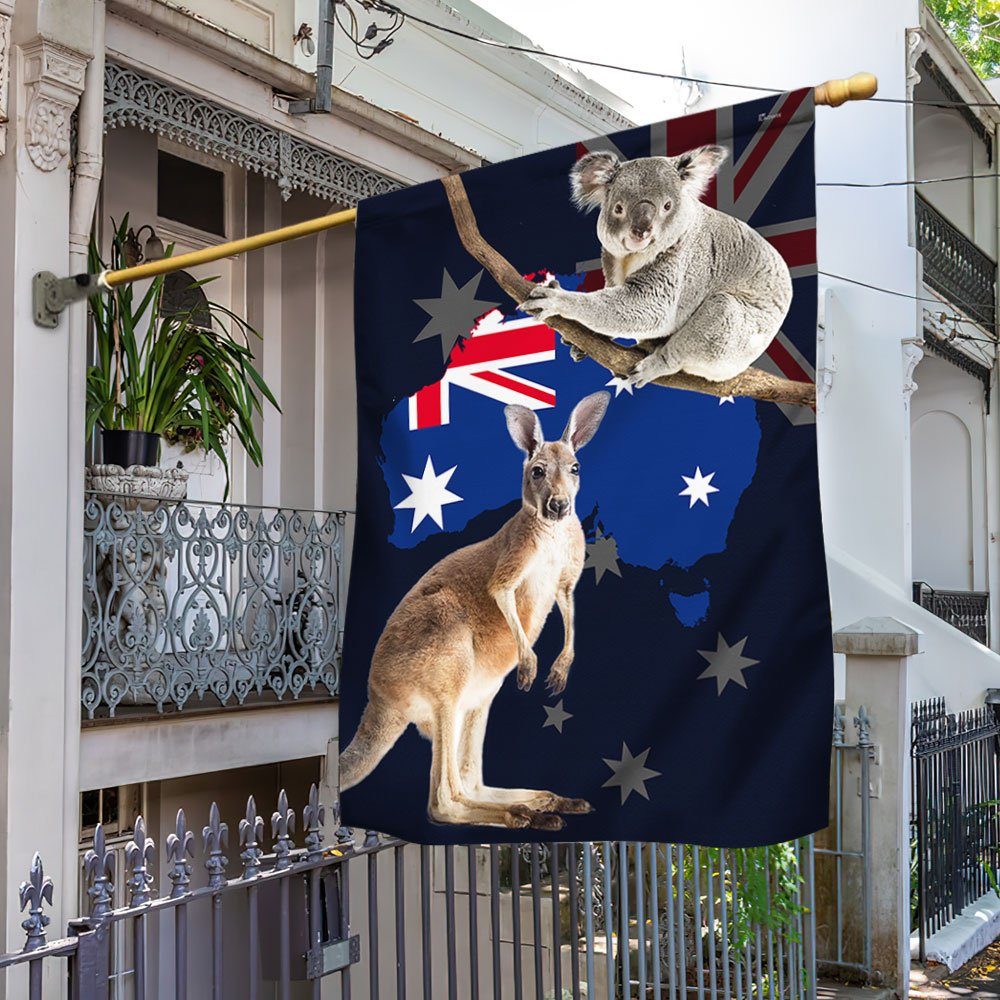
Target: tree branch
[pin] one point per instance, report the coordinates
(619, 360)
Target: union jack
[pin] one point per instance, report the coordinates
(480, 365)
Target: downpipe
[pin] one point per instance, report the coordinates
(83, 204)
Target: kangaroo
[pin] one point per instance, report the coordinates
(468, 622)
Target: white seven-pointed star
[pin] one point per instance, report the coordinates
(630, 774)
(428, 495)
(621, 385)
(726, 399)
(726, 663)
(698, 487)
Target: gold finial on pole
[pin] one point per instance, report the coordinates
(833, 93)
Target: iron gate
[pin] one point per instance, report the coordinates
(955, 821)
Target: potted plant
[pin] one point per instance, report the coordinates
(186, 373)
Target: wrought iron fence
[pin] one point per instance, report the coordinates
(387, 919)
(955, 266)
(955, 821)
(186, 600)
(966, 610)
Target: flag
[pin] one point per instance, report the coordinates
(612, 624)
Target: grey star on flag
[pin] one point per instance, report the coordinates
(726, 663)
(602, 556)
(453, 314)
(630, 773)
(555, 716)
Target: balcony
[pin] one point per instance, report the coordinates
(966, 610)
(225, 603)
(955, 267)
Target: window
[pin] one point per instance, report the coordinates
(190, 193)
(115, 808)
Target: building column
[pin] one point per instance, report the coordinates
(878, 652)
(46, 58)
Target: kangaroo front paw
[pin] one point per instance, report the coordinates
(527, 669)
(556, 681)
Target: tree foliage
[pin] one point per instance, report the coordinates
(974, 26)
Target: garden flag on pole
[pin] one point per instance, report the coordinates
(588, 597)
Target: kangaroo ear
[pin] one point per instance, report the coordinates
(590, 176)
(698, 166)
(524, 428)
(585, 419)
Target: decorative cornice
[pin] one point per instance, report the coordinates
(52, 77)
(4, 77)
(131, 99)
(590, 104)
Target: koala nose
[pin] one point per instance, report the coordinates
(559, 506)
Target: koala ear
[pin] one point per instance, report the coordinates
(524, 428)
(698, 166)
(590, 176)
(585, 419)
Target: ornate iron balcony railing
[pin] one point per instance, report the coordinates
(186, 600)
(956, 267)
(967, 610)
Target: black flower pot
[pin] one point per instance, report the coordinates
(127, 448)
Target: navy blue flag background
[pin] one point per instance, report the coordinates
(698, 706)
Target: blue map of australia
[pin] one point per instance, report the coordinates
(634, 479)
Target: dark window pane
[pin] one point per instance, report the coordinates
(190, 193)
(109, 806)
(90, 809)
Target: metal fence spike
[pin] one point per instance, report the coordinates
(216, 839)
(862, 723)
(98, 869)
(33, 894)
(251, 834)
(139, 851)
(179, 849)
(312, 819)
(838, 725)
(282, 826)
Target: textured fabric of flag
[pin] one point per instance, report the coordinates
(697, 706)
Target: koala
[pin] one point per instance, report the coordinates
(704, 284)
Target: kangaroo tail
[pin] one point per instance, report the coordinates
(378, 731)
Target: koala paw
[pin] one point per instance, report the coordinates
(650, 368)
(546, 300)
(527, 668)
(574, 352)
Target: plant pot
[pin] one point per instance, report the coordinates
(126, 448)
